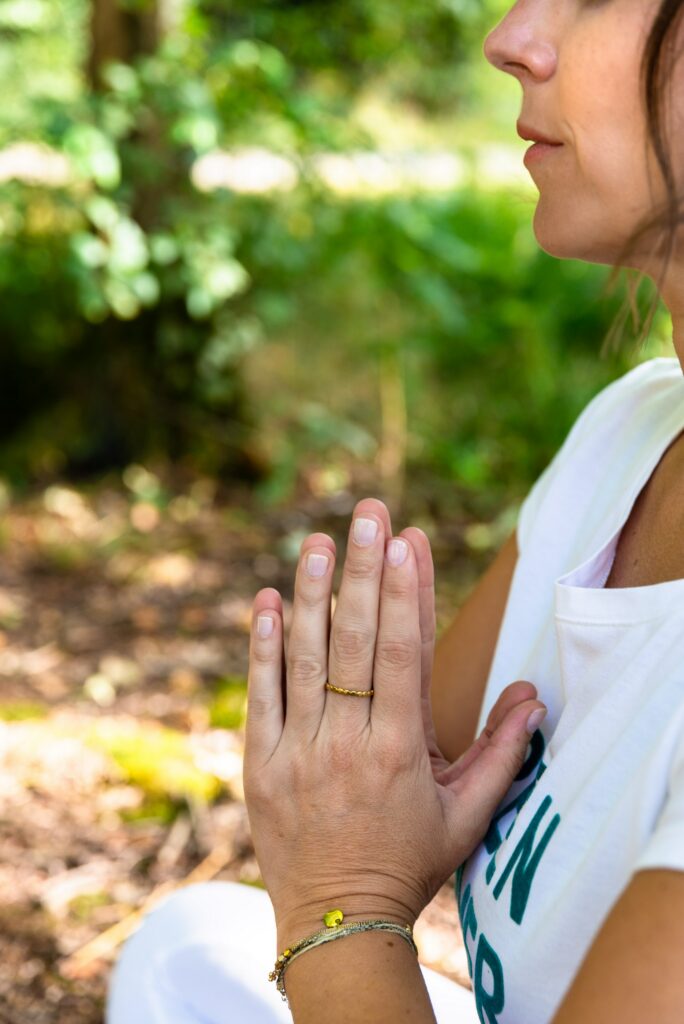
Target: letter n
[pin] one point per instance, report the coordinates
(525, 859)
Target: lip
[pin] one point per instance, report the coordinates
(532, 135)
(540, 150)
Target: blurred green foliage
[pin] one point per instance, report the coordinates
(134, 298)
(228, 706)
(415, 50)
(497, 342)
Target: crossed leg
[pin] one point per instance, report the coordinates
(203, 955)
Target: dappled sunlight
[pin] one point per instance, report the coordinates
(252, 272)
(255, 171)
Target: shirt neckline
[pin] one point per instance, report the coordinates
(580, 594)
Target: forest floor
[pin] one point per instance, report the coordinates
(124, 624)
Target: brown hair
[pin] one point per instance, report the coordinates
(657, 64)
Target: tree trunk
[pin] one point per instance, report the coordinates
(123, 30)
(121, 35)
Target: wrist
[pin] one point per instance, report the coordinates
(301, 923)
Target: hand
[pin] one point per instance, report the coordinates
(351, 803)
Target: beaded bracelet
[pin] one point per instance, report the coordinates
(334, 929)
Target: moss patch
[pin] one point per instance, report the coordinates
(157, 759)
(21, 711)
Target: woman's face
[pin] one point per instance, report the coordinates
(578, 64)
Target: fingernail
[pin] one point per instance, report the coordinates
(535, 720)
(264, 626)
(397, 550)
(316, 565)
(365, 531)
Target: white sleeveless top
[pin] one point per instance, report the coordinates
(602, 792)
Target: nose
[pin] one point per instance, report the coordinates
(520, 45)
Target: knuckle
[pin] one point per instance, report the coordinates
(397, 585)
(259, 706)
(393, 752)
(351, 643)
(360, 570)
(310, 597)
(397, 653)
(255, 791)
(304, 669)
(263, 655)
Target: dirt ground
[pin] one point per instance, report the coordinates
(124, 615)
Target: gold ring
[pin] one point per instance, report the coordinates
(353, 693)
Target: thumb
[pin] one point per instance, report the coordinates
(501, 757)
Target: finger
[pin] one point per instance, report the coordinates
(489, 777)
(375, 507)
(265, 711)
(510, 697)
(317, 540)
(426, 601)
(355, 622)
(307, 651)
(313, 540)
(397, 664)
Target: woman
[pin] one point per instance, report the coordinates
(568, 834)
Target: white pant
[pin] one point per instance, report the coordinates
(203, 955)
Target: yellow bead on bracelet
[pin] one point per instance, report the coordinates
(334, 929)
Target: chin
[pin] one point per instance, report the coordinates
(561, 236)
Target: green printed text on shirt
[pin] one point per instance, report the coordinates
(510, 880)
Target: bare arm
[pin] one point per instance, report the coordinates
(464, 653)
(631, 974)
(633, 971)
(370, 976)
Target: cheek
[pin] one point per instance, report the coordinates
(598, 86)
(602, 177)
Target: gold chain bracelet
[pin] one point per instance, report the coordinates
(334, 929)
